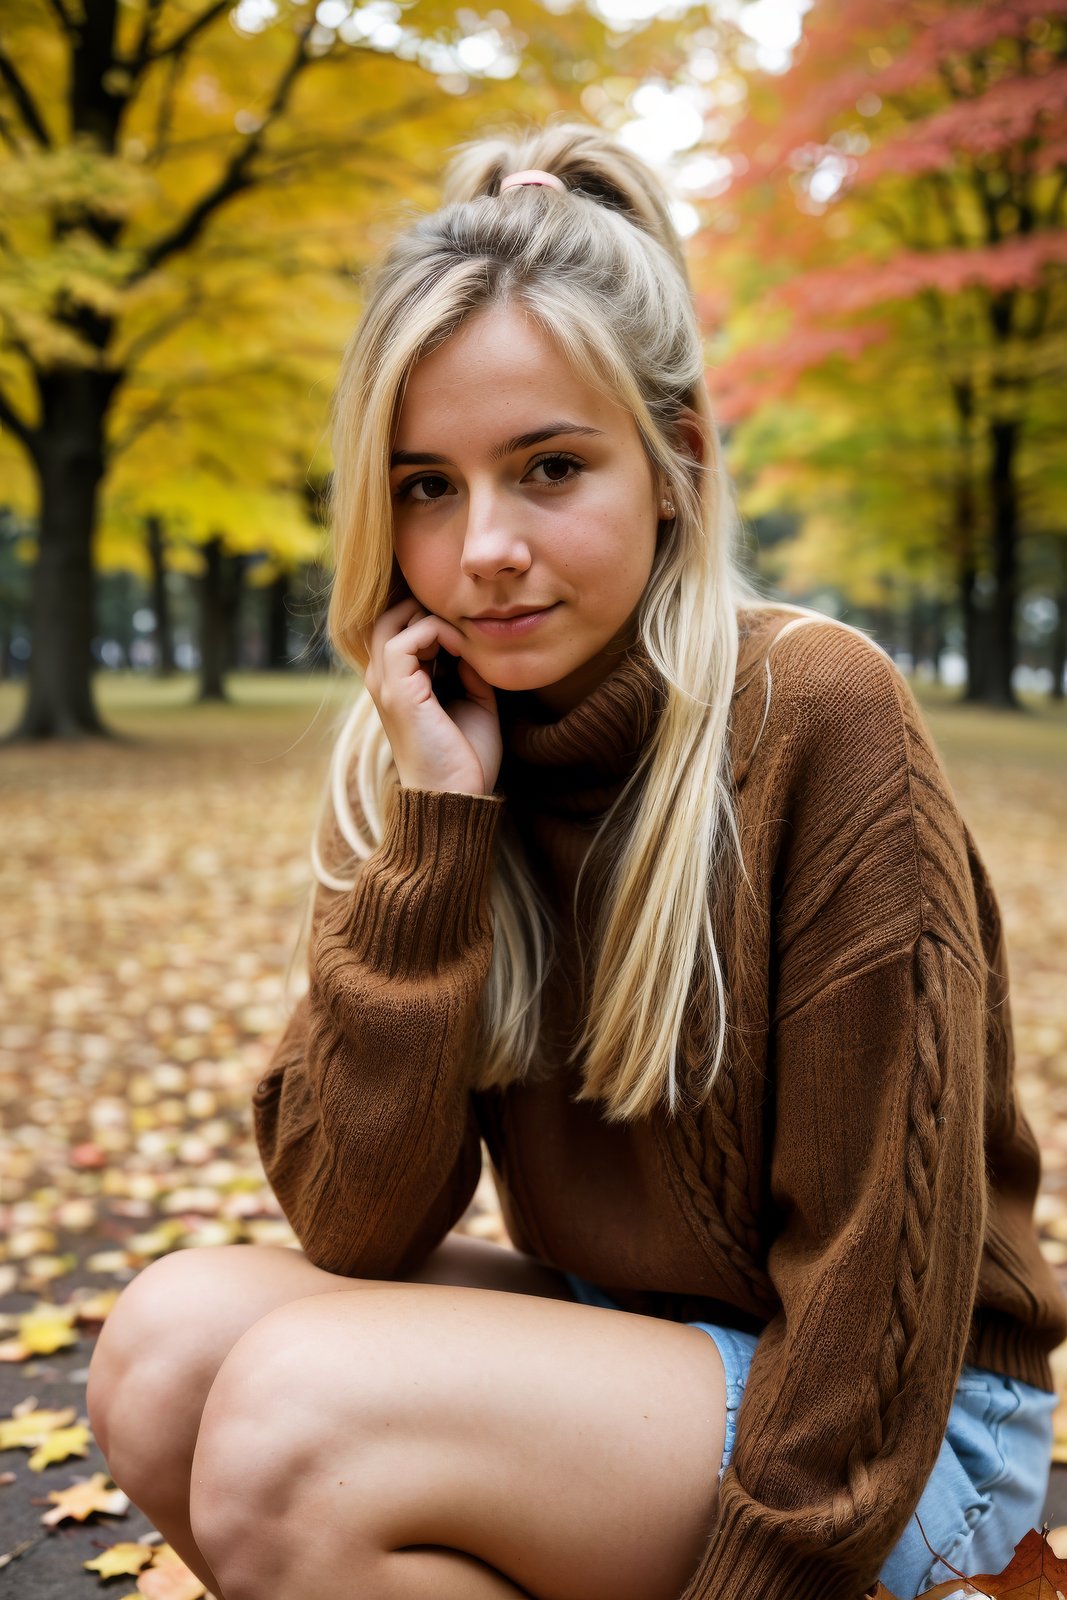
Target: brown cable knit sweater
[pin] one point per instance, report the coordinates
(858, 1191)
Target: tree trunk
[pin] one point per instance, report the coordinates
(917, 633)
(973, 633)
(937, 637)
(233, 585)
(215, 624)
(69, 456)
(1058, 642)
(965, 541)
(126, 606)
(1005, 437)
(278, 624)
(164, 637)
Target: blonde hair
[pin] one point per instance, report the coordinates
(600, 267)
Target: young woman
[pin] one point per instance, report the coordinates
(659, 889)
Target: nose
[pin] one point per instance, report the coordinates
(493, 541)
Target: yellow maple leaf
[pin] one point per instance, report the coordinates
(27, 1428)
(121, 1560)
(47, 1328)
(59, 1445)
(85, 1496)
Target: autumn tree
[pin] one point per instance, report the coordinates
(902, 187)
(164, 161)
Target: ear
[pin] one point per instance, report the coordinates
(691, 431)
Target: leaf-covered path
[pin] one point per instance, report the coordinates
(152, 890)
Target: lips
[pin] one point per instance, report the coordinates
(507, 616)
(513, 626)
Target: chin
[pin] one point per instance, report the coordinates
(516, 678)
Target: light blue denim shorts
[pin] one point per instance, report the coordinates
(989, 1483)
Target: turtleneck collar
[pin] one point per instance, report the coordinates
(576, 765)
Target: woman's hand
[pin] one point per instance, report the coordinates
(458, 747)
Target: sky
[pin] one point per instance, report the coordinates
(667, 119)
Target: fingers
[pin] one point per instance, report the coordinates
(404, 640)
(433, 747)
(474, 684)
(402, 651)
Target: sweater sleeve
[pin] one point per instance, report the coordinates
(877, 1175)
(364, 1119)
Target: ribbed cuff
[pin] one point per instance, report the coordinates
(745, 1560)
(998, 1344)
(423, 897)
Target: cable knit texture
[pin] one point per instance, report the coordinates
(858, 1188)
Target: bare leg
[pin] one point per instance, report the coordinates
(151, 1368)
(365, 1443)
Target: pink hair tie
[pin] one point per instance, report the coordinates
(545, 180)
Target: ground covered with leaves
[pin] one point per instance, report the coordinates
(152, 890)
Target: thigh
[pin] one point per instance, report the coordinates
(573, 1448)
(231, 1287)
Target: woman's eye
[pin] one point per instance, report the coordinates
(433, 479)
(570, 463)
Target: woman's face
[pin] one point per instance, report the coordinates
(488, 517)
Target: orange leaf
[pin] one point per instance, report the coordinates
(171, 1581)
(1035, 1572)
(85, 1496)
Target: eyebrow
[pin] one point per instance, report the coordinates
(521, 441)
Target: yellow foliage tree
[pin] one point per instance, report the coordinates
(188, 192)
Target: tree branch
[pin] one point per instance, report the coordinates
(66, 21)
(152, 336)
(143, 48)
(23, 99)
(176, 45)
(162, 406)
(165, 113)
(8, 137)
(940, 182)
(147, 419)
(234, 179)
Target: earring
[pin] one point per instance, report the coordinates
(668, 508)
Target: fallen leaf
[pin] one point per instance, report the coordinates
(60, 1446)
(170, 1579)
(47, 1328)
(95, 1308)
(29, 1427)
(121, 1560)
(85, 1496)
(1035, 1572)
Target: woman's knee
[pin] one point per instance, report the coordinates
(272, 1418)
(150, 1327)
(178, 1317)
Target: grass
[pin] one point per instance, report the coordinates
(153, 709)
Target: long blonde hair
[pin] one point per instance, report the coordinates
(600, 267)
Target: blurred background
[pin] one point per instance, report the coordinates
(872, 198)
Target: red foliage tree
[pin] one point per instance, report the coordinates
(912, 160)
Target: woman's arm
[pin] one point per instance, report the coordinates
(878, 1054)
(364, 1119)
